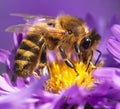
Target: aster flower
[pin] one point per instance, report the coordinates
(107, 91)
(55, 84)
(57, 90)
(109, 78)
(13, 96)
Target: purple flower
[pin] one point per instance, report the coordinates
(108, 85)
(33, 93)
(107, 90)
(21, 96)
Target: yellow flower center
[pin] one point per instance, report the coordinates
(62, 77)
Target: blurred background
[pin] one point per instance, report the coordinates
(99, 9)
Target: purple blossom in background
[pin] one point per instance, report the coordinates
(109, 77)
(114, 43)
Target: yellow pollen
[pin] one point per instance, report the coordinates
(62, 77)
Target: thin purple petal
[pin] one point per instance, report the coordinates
(20, 82)
(116, 78)
(5, 86)
(7, 79)
(118, 106)
(20, 96)
(116, 31)
(113, 48)
(109, 75)
(71, 98)
(7, 106)
(104, 73)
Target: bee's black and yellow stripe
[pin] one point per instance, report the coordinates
(27, 55)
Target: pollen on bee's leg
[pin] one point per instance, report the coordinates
(100, 64)
(36, 74)
(46, 72)
(92, 65)
(44, 69)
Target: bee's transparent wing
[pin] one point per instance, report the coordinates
(31, 16)
(32, 19)
(20, 28)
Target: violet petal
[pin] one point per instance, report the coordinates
(17, 98)
(109, 75)
(116, 78)
(104, 73)
(118, 106)
(7, 106)
(20, 82)
(73, 97)
(116, 31)
(5, 86)
(7, 79)
(113, 48)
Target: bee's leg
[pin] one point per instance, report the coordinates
(77, 49)
(91, 57)
(67, 61)
(96, 60)
(43, 58)
(35, 72)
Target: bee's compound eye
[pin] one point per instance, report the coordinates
(85, 43)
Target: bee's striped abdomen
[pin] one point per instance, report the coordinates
(27, 55)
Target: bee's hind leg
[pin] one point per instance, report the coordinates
(36, 74)
(66, 60)
(43, 59)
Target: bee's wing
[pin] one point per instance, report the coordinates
(31, 16)
(32, 19)
(20, 28)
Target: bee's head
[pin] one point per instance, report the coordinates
(90, 41)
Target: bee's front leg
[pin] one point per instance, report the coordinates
(66, 60)
(90, 59)
(77, 50)
(43, 58)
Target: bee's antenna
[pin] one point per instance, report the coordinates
(100, 53)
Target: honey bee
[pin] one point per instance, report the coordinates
(64, 33)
